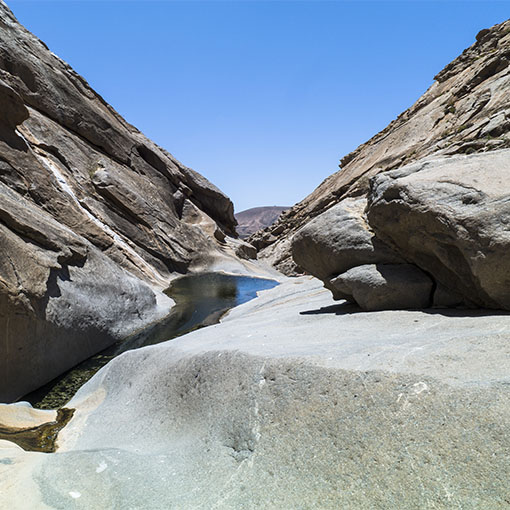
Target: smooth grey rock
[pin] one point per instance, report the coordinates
(451, 218)
(292, 402)
(338, 240)
(496, 126)
(245, 250)
(385, 286)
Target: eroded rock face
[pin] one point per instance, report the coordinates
(61, 298)
(451, 217)
(92, 216)
(465, 111)
(443, 221)
(14, 111)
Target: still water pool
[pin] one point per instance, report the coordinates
(200, 301)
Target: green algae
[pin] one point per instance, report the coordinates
(41, 438)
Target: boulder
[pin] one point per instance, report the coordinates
(338, 240)
(450, 217)
(384, 287)
(447, 216)
(446, 298)
(335, 242)
(245, 250)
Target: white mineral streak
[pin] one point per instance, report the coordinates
(118, 240)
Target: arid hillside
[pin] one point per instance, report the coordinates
(465, 111)
(257, 218)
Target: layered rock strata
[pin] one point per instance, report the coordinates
(92, 216)
(465, 111)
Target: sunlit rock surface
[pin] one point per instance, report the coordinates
(292, 402)
(451, 217)
(95, 218)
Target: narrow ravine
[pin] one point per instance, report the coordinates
(201, 300)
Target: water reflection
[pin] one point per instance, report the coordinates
(200, 301)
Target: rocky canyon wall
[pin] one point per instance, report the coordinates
(94, 217)
(418, 215)
(465, 111)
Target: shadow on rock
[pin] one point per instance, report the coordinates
(350, 308)
(340, 309)
(449, 312)
(12, 139)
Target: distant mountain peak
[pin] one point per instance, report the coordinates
(257, 218)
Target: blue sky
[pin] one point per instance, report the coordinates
(261, 97)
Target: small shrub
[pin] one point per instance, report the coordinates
(462, 127)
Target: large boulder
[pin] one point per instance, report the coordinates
(448, 217)
(338, 240)
(451, 217)
(340, 248)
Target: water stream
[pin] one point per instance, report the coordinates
(200, 301)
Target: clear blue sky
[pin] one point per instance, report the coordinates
(261, 97)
